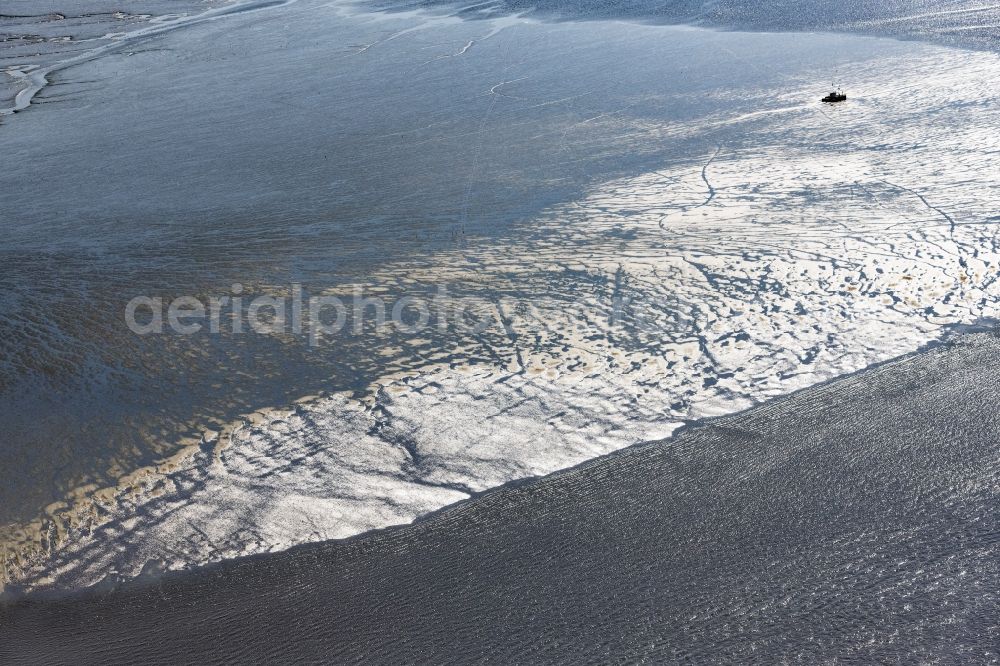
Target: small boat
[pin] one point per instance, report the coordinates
(834, 97)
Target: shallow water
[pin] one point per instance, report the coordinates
(967, 23)
(659, 224)
(852, 521)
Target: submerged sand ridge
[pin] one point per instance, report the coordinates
(42, 38)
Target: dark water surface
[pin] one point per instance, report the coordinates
(853, 522)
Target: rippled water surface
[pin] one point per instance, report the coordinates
(656, 223)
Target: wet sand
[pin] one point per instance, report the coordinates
(854, 520)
